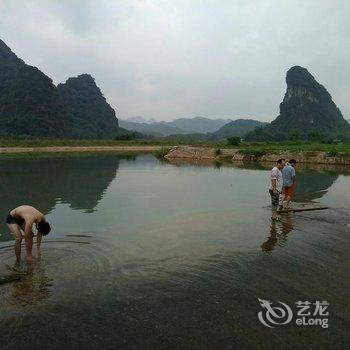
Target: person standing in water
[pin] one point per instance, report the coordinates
(23, 218)
(276, 187)
(288, 174)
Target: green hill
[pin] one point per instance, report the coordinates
(157, 129)
(198, 124)
(238, 128)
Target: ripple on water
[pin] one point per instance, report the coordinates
(61, 262)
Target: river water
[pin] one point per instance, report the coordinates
(146, 254)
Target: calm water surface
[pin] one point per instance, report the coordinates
(148, 254)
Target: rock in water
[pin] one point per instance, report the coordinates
(307, 111)
(90, 115)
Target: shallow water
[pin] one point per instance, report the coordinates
(148, 254)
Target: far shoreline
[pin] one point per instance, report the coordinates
(59, 149)
(245, 153)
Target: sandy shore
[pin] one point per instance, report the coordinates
(80, 149)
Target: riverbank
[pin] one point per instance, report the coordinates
(243, 155)
(303, 151)
(59, 149)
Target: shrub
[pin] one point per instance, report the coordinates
(162, 152)
(332, 153)
(127, 136)
(234, 141)
(252, 152)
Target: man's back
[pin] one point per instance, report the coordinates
(288, 175)
(27, 212)
(276, 174)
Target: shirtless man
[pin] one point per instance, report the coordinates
(23, 218)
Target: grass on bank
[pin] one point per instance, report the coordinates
(259, 149)
(255, 148)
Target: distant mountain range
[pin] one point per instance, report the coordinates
(306, 112)
(31, 105)
(177, 126)
(157, 129)
(198, 124)
(197, 128)
(140, 119)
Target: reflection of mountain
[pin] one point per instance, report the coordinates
(312, 185)
(312, 181)
(42, 182)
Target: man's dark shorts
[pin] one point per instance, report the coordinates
(12, 220)
(274, 199)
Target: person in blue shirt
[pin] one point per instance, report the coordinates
(288, 173)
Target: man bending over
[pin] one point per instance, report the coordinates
(23, 218)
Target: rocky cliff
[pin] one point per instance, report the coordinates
(31, 105)
(29, 101)
(89, 114)
(306, 112)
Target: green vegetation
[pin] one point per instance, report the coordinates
(238, 128)
(293, 146)
(253, 151)
(162, 152)
(31, 105)
(332, 153)
(86, 110)
(127, 136)
(234, 141)
(254, 148)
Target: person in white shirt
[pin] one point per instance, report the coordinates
(276, 187)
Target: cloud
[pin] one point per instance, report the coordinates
(168, 59)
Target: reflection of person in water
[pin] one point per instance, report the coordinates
(23, 218)
(278, 233)
(32, 288)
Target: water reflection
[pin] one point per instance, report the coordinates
(42, 182)
(278, 233)
(33, 287)
(311, 185)
(170, 249)
(313, 180)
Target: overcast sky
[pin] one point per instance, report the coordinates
(183, 58)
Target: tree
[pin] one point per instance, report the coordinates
(234, 141)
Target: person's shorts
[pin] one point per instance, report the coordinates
(12, 220)
(274, 199)
(288, 191)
